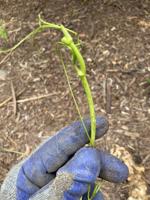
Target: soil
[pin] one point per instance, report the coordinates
(115, 37)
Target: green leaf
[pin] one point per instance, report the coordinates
(148, 80)
(3, 33)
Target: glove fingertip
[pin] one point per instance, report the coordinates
(102, 126)
(113, 169)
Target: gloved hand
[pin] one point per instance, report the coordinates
(62, 168)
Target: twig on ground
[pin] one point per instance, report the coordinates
(5, 101)
(108, 95)
(27, 99)
(36, 97)
(14, 98)
(104, 89)
(10, 98)
(146, 158)
(11, 140)
(26, 153)
(10, 151)
(3, 60)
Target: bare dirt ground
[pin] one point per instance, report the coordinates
(115, 38)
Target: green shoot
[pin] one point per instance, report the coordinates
(77, 62)
(95, 191)
(80, 67)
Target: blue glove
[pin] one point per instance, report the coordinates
(64, 153)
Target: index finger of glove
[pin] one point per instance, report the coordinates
(43, 163)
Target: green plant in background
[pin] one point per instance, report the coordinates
(78, 64)
(3, 32)
(148, 80)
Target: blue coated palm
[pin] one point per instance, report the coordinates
(56, 156)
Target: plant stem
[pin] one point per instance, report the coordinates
(87, 89)
(79, 58)
(82, 74)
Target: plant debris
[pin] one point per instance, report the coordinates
(136, 182)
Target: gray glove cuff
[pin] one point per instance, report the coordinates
(53, 191)
(8, 188)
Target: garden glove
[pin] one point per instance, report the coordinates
(62, 168)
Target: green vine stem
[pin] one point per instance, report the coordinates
(81, 71)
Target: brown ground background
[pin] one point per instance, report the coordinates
(115, 38)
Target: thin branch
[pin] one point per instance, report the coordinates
(14, 98)
(36, 97)
(5, 57)
(10, 98)
(10, 151)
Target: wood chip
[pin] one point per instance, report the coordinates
(3, 75)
